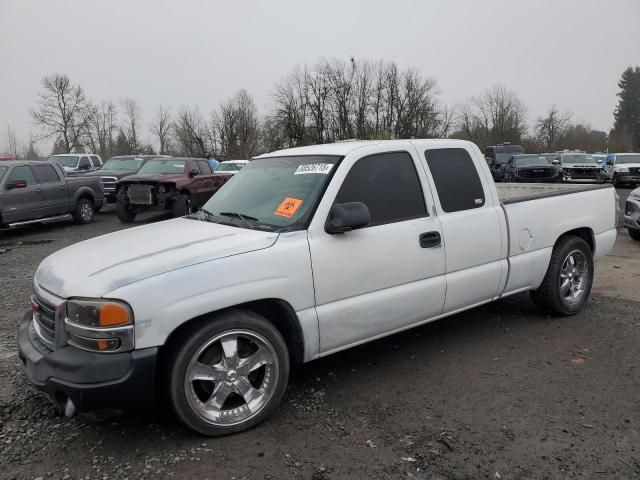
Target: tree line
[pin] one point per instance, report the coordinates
(328, 101)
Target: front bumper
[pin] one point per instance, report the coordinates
(92, 381)
(628, 177)
(597, 176)
(518, 179)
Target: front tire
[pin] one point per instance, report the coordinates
(84, 211)
(567, 284)
(228, 373)
(125, 213)
(181, 206)
(634, 234)
(615, 181)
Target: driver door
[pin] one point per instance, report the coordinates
(382, 278)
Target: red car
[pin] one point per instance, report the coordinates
(176, 184)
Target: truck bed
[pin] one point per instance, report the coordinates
(522, 192)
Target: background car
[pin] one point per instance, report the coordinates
(229, 167)
(117, 168)
(623, 168)
(498, 155)
(77, 162)
(531, 168)
(632, 214)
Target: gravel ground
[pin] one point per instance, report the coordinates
(497, 392)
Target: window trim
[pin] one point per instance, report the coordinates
(10, 172)
(34, 169)
(424, 200)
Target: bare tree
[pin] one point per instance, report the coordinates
(291, 107)
(192, 135)
(100, 128)
(29, 150)
(61, 110)
(131, 123)
(237, 126)
(11, 146)
(551, 127)
(161, 128)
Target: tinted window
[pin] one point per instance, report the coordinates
(95, 161)
(205, 168)
(388, 184)
(193, 167)
(84, 163)
(45, 173)
(22, 173)
(456, 179)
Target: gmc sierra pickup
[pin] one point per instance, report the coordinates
(303, 253)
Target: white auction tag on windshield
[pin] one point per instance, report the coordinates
(323, 168)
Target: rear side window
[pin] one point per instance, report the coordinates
(45, 174)
(95, 161)
(456, 178)
(388, 184)
(205, 168)
(194, 167)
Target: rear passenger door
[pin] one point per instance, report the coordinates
(382, 278)
(53, 189)
(473, 232)
(24, 203)
(206, 177)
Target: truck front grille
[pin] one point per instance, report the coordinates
(537, 173)
(634, 170)
(141, 194)
(109, 184)
(44, 319)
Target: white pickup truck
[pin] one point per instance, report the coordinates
(303, 253)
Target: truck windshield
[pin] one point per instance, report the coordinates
(125, 164)
(578, 158)
(167, 166)
(522, 161)
(272, 193)
(3, 170)
(628, 159)
(65, 160)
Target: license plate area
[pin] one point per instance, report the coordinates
(141, 194)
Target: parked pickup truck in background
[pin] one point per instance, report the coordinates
(531, 169)
(578, 166)
(117, 168)
(497, 157)
(175, 184)
(623, 168)
(306, 252)
(77, 162)
(33, 191)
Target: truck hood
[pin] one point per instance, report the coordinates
(155, 177)
(109, 173)
(97, 266)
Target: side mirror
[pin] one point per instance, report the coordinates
(600, 161)
(345, 217)
(193, 173)
(555, 162)
(17, 184)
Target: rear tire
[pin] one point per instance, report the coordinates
(221, 362)
(615, 181)
(84, 211)
(181, 206)
(634, 234)
(567, 284)
(125, 213)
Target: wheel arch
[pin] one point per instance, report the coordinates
(278, 312)
(585, 233)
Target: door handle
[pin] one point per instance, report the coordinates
(430, 239)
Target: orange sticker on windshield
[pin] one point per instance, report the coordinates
(288, 207)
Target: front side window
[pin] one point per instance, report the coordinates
(388, 185)
(45, 174)
(205, 168)
(22, 174)
(456, 178)
(278, 193)
(84, 164)
(167, 167)
(95, 161)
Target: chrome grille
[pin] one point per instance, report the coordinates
(109, 183)
(44, 319)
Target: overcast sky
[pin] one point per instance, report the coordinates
(565, 52)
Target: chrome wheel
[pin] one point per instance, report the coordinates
(86, 211)
(231, 377)
(574, 277)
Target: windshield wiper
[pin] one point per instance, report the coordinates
(244, 218)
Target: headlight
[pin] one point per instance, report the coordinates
(161, 189)
(623, 169)
(100, 325)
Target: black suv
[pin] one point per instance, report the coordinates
(497, 157)
(531, 168)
